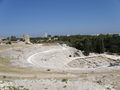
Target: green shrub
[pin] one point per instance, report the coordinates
(64, 80)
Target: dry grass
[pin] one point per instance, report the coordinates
(2, 47)
(49, 44)
(5, 66)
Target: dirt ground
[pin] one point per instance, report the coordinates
(100, 77)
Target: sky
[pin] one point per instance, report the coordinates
(59, 17)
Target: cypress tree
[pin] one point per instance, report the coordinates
(86, 47)
(100, 46)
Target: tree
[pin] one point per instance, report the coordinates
(13, 38)
(100, 46)
(87, 46)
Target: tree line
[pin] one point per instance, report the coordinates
(92, 43)
(109, 43)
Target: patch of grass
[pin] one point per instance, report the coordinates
(25, 89)
(45, 88)
(108, 88)
(14, 88)
(4, 77)
(65, 86)
(5, 61)
(64, 80)
(48, 70)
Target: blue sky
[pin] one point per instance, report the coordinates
(59, 17)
